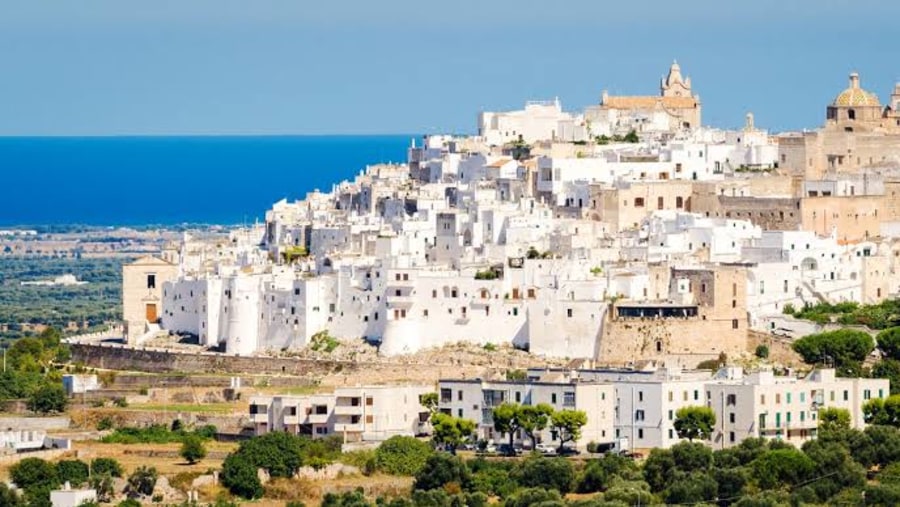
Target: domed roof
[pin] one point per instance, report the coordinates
(856, 96)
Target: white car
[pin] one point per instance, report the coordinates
(545, 449)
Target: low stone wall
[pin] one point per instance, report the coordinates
(35, 423)
(326, 372)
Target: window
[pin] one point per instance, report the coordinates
(151, 281)
(731, 436)
(568, 399)
(553, 398)
(731, 417)
(640, 433)
(434, 293)
(679, 202)
(446, 395)
(370, 419)
(777, 398)
(569, 313)
(867, 394)
(788, 396)
(846, 395)
(518, 397)
(459, 412)
(639, 202)
(369, 401)
(640, 395)
(671, 433)
(670, 396)
(660, 202)
(459, 396)
(696, 395)
(734, 324)
(671, 415)
(638, 415)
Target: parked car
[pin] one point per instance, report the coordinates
(507, 450)
(567, 451)
(545, 449)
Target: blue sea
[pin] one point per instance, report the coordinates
(174, 180)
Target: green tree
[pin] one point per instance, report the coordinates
(9, 497)
(533, 419)
(889, 342)
(106, 466)
(631, 137)
(833, 460)
(192, 449)
(659, 469)
(31, 473)
(506, 421)
(883, 411)
(241, 477)
(104, 486)
(782, 467)
(429, 401)
(762, 351)
(451, 431)
(889, 369)
(568, 424)
(442, 469)
(401, 455)
(48, 399)
(847, 348)
(142, 481)
(694, 422)
(534, 497)
(549, 473)
(694, 488)
(834, 419)
(73, 471)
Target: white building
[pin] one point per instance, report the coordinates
(476, 399)
(373, 413)
(539, 121)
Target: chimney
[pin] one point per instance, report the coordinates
(854, 80)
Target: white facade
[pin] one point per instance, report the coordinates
(475, 400)
(373, 413)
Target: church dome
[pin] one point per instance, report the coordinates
(856, 96)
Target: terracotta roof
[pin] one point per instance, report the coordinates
(500, 162)
(649, 102)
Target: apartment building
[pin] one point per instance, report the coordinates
(373, 413)
(476, 399)
(785, 408)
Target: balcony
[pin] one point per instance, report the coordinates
(348, 410)
(349, 428)
(400, 301)
(317, 418)
(259, 418)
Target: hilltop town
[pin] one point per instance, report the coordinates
(621, 284)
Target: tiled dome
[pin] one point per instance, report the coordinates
(856, 96)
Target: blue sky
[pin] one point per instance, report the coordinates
(107, 67)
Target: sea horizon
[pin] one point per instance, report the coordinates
(176, 179)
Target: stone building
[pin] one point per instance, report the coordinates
(675, 108)
(142, 291)
(701, 302)
(858, 134)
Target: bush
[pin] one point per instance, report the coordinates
(762, 351)
(32, 473)
(109, 466)
(73, 471)
(241, 478)
(48, 399)
(142, 481)
(547, 473)
(401, 455)
(192, 449)
(440, 470)
(105, 423)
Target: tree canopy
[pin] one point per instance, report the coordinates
(847, 348)
(695, 422)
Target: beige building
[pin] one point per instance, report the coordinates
(858, 133)
(626, 205)
(700, 302)
(676, 103)
(142, 286)
(785, 408)
(373, 413)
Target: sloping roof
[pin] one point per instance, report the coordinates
(149, 260)
(500, 162)
(649, 102)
